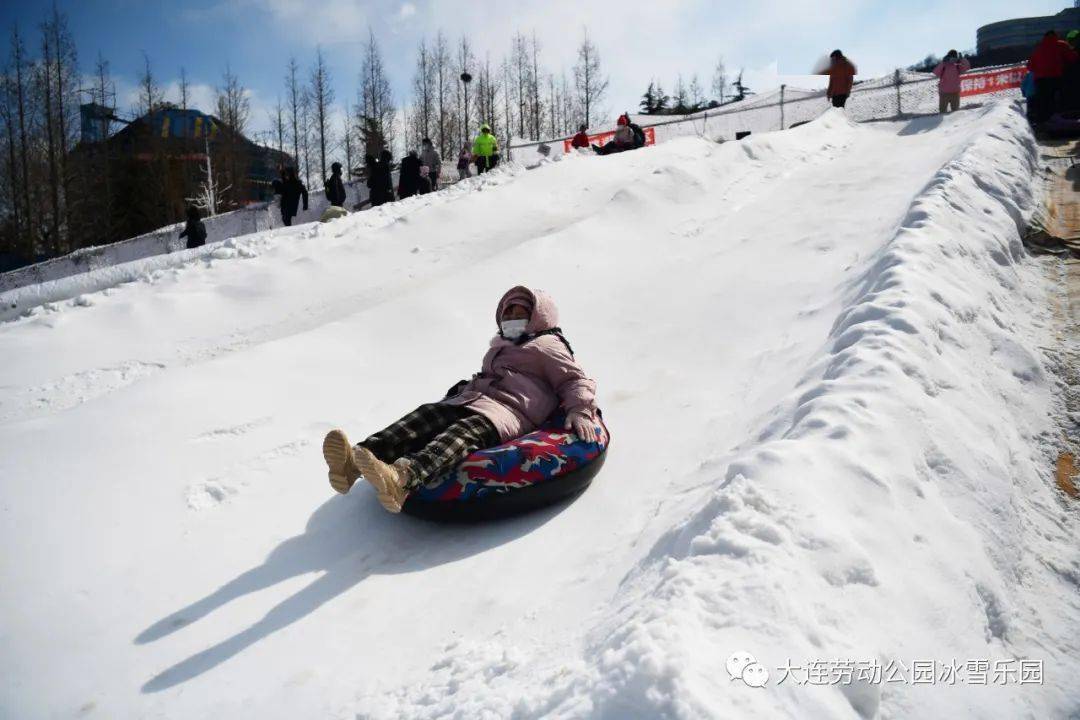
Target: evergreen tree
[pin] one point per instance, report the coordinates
(741, 90)
(648, 100)
(661, 100)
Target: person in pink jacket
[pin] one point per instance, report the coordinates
(528, 373)
(948, 72)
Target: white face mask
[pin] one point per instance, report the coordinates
(513, 329)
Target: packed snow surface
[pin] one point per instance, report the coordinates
(818, 352)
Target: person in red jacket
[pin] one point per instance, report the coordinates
(841, 74)
(1047, 64)
(581, 140)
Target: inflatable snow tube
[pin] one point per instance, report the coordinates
(333, 212)
(533, 471)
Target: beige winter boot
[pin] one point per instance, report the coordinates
(388, 480)
(341, 460)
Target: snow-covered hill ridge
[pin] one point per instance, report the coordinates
(818, 354)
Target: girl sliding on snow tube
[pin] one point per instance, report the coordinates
(527, 373)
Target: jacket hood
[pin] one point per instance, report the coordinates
(544, 314)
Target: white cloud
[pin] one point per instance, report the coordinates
(407, 10)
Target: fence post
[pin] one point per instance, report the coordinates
(782, 106)
(896, 79)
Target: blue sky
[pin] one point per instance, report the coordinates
(636, 39)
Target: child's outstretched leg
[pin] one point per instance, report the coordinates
(394, 482)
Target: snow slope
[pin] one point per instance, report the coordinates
(817, 351)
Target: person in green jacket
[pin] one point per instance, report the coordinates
(485, 149)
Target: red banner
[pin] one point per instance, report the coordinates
(605, 137)
(977, 83)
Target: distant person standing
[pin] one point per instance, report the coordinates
(291, 190)
(382, 179)
(335, 188)
(1047, 64)
(409, 176)
(948, 72)
(485, 150)
(581, 140)
(841, 72)
(194, 230)
(463, 160)
(429, 156)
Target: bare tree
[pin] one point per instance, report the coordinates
(424, 92)
(589, 81)
(305, 137)
(697, 95)
(13, 232)
(570, 122)
(234, 110)
(346, 135)
(536, 105)
(233, 103)
(444, 85)
(183, 88)
(208, 197)
(321, 90)
(149, 90)
(277, 122)
(553, 107)
(508, 85)
(43, 72)
(487, 89)
(720, 81)
(65, 75)
(294, 98)
(466, 62)
(375, 103)
(519, 53)
(18, 61)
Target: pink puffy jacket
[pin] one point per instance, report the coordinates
(948, 72)
(520, 386)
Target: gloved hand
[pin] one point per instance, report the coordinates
(582, 424)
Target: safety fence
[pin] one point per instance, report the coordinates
(897, 95)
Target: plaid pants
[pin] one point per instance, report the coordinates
(433, 438)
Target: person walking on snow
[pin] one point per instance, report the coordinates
(841, 72)
(1047, 64)
(528, 373)
(335, 188)
(484, 150)
(463, 160)
(194, 230)
(948, 72)
(581, 140)
(291, 190)
(429, 156)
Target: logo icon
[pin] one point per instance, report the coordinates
(741, 665)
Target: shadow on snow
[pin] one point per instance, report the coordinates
(346, 539)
